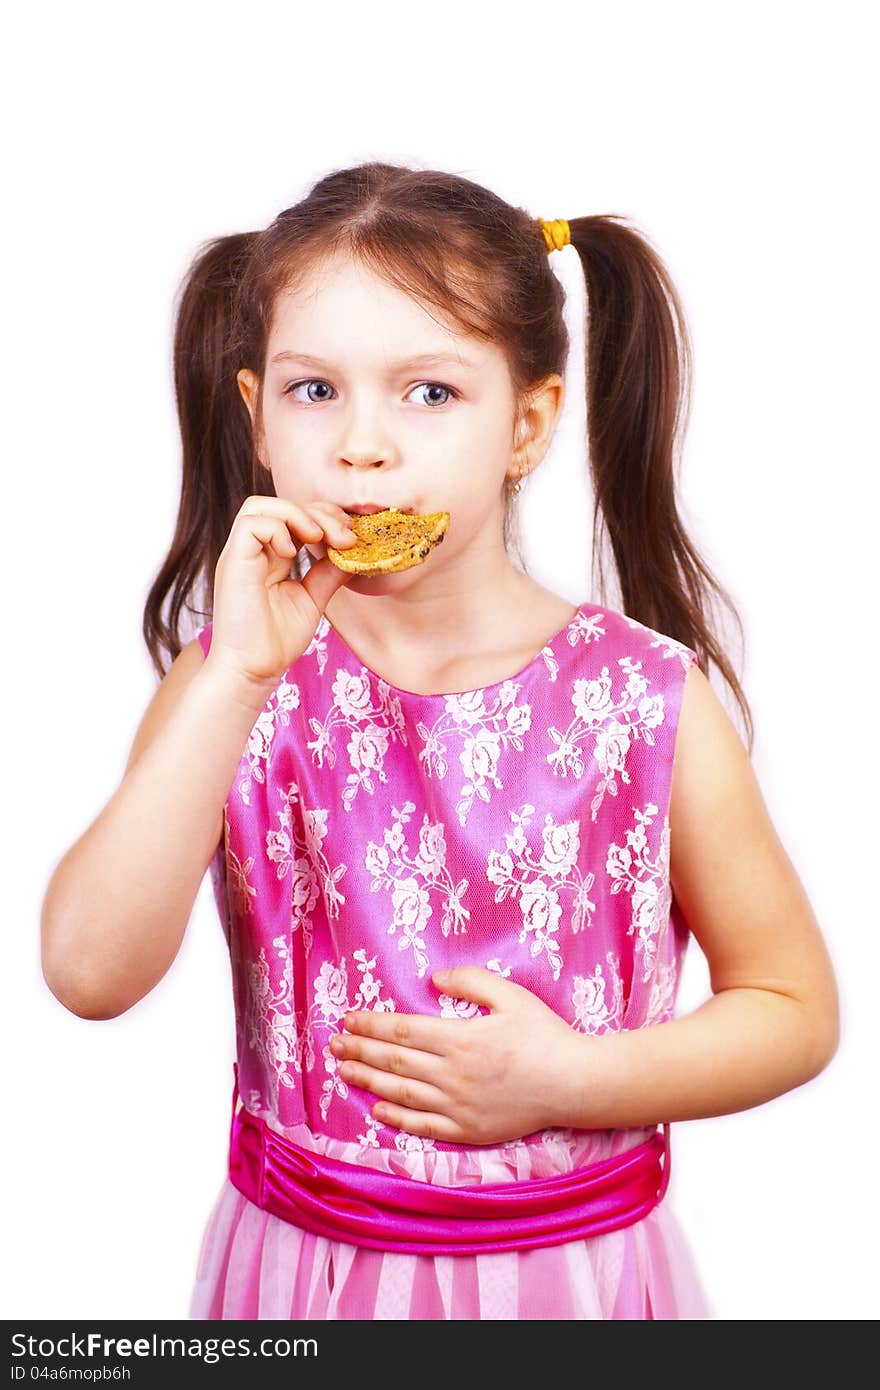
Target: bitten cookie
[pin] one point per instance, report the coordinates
(390, 541)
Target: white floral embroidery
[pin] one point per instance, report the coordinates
(612, 724)
(269, 1021)
(550, 661)
(409, 1143)
(669, 646)
(412, 879)
(271, 1026)
(503, 971)
(484, 731)
(331, 989)
(331, 1004)
(647, 879)
(370, 1140)
(318, 645)
(372, 728)
(283, 1031)
(592, 1011)
(283, 699)
(662, 997)
(585, 627)
(452, 1007)
(243, 892)
(299, 853)
(539, 896)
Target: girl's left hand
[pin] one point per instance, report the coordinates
(480, 1080)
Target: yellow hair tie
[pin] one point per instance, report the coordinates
(556, 233)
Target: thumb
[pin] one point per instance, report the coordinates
(322, 581)
(475, 983)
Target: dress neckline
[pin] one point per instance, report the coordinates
(518, 676)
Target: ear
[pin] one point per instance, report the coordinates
(538, 421)
(248, 385)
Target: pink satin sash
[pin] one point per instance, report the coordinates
(362, 1206)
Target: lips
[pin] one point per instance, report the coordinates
(368, 508)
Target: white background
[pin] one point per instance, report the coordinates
(740, 141)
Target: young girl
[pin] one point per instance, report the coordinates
(454, 869)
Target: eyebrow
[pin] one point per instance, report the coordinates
(425, 359)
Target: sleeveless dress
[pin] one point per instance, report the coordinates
(372, 836)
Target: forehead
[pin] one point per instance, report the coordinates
(342, 304)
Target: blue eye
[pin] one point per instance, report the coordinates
(317, 381)
(289, 390)
(437, 386)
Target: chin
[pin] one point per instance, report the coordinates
(380, 584)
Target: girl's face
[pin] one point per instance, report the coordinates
(364, 422)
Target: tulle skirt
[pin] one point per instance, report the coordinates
(254, 1265)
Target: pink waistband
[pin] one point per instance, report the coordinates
(362, 1206)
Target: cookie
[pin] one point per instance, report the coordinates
(390, 541)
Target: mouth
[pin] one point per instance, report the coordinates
(368, 508)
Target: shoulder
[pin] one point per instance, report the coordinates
(708, 747)
(618, 640)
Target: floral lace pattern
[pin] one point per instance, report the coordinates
(373, 836)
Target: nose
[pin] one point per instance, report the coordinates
(364, 461)
(367, 456)
(366, 435)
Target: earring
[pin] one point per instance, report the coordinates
(517, 487)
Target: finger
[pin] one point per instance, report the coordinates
(297, 518)
(288, 538)
(413, 1095)
(335, 523)
(263, 533)
(331, 509)
(474, 983)
(410, 1030)
(336, 527)
(426, 1123)
(339, 520)
(389, 1057)
(271, 537)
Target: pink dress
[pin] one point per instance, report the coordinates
(373, 836)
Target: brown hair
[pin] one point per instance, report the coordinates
(484, 264)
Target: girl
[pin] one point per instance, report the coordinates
(454, 869)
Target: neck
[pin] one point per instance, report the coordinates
(430, 619)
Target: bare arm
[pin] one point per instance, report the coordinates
(773, 1020)
(117, 905)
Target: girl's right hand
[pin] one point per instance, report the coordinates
(264, 619)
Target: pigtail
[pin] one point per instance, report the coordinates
(638, 373)
(219, 467)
